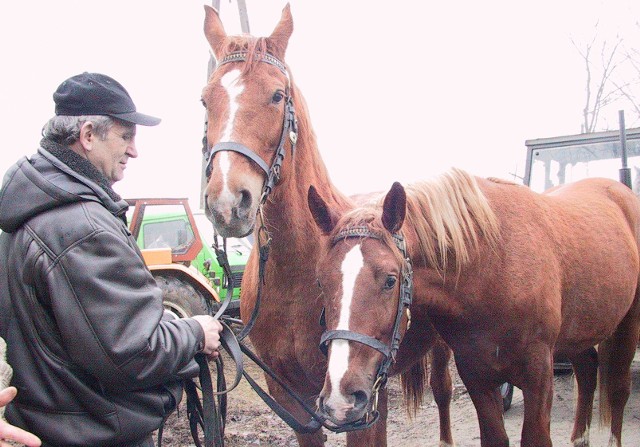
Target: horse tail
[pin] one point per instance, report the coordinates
(413, 383)
(604, 365)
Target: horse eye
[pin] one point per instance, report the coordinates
(319, 283)
(390, 282)
(203, 103)
(277, 97)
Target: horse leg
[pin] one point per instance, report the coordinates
(488, 404)
(585, 368)
(442, 388)
(537, 391)
(376, 435)
(615, 355)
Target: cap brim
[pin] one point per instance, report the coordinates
(138, 118)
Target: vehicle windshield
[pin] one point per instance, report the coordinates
(557, 161)
(166, 226)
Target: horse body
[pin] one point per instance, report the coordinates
(509, 277)
(244, 99)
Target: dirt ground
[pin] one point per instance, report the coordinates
(251, 423)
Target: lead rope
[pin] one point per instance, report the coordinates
(263, 251)
(210, 415)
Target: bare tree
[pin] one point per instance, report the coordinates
(631, 89)
(612, 79)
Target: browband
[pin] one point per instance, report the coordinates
(241, 56)
(363, 231)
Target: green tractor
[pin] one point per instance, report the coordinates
(176, 246)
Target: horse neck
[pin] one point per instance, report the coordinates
(287, 215)
(438, 292)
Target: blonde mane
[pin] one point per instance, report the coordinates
(448, 216)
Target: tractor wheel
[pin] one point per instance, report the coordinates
(506, 391)
(180, 298)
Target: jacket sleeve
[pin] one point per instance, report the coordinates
(109, 312)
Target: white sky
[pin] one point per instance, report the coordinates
(397, 90)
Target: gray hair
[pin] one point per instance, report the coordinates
(66, 129)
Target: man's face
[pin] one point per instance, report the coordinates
(110, 155)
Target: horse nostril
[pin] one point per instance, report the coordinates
(361, 399)
(245, 199)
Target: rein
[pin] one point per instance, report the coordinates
(404, 301)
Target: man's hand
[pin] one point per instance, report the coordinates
(212, 329)
(10, 433)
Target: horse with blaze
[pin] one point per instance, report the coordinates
(251, 100)
(508, 277)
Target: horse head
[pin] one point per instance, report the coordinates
(366, 284)
(250, 120)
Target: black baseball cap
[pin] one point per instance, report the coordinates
(98, 94)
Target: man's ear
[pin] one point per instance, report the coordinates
(87, 135)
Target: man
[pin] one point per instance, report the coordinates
(94, 361)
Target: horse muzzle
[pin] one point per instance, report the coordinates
(343, 409)
(232, 216)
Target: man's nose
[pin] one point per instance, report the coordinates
(132, 151)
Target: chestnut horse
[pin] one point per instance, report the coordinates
(252, 125)
(507, 276)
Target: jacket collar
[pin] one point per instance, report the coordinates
(80, 165)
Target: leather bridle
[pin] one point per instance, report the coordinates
(404, 301)
(289, 129)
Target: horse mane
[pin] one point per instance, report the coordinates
(448, 216)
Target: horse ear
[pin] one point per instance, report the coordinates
(214, 31)
(323, 216)
(394, 208)
(280, 36)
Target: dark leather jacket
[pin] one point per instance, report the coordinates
(94, 363)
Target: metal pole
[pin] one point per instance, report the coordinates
(244, 16)
(625, 172)
(210, 67)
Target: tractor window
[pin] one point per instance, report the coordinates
(176, 234)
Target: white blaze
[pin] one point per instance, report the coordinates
(231, 83)
(339, 360)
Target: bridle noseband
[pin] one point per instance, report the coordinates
(406, 292)
(289, 129)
